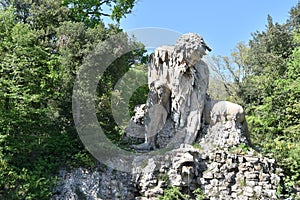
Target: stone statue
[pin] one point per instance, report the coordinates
(221, 111)
(178, 80)
(224, 124)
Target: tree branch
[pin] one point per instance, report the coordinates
(97, 13)
(104, 2)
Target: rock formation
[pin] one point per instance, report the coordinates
(228, 173)
(209, 138)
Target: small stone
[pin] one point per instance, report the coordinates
(251, 175)
(208, 175)
(234, 195)
(257, 190)
(252, 159)
(232, 166)
(214, 182)
(270, 194)
(271, 161)
(224, 194)
(263, 183)
(207, 187)
(215, 190)
(219, 176)
(251, 183)
(248, 191)
(234, 188)
(257, 167)
(275, 179)
(222, 188)
(229, 177)
(242, 168)
(264, 177)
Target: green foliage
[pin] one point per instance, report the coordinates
(164, 177)
(266, 62)
(198, 146)
(80, 194)
(286, 152)
(144, 164)
(269, 90)
(44, 43)
(199, 194)
(91, 12)
(41, 51)
(240, 149)
(173, 193)
(106, 85)
(141, 94)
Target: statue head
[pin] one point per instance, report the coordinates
(191, 48)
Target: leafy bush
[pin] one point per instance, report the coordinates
(173, 193)
(286, 154)
(42, 47)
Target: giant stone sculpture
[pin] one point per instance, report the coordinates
(176, 112)
(178, 80)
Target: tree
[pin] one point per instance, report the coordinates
(232, 70)
(28, 114)
(264, 78)
(41, 51)
(268, 54)
(294, 19)
(91, 12)
(271, 94)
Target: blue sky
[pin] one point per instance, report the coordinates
(221, 23)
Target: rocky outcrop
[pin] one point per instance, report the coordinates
(99, 183)
(231, 173)
(135, 131)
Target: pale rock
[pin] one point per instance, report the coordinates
(214, 182)
(251, 175)
(251, 183)
(257, 190)
(208, 175)
(271, 194)
(252, 159)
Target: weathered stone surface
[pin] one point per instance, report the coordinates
(208, 175)
(135, 132)
(224, 124)
(178, 80)
(222, 111)
(183, 167)
(99, 183)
